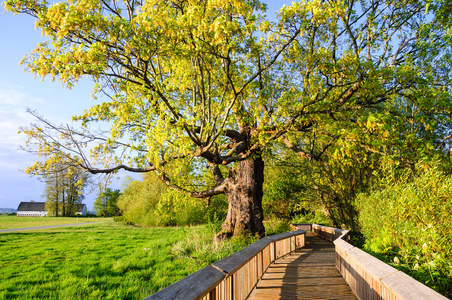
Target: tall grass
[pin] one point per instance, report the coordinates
(408, 223)
(103, 261)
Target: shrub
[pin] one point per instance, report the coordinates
(174, 208)
(275, 226)
(316, 217)
(408, 223)
(118, 219)
(151, 203)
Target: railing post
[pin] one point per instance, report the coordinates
(274, 252)
(213, 294)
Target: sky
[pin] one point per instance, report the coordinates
(19, 90)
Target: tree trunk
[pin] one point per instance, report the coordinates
(64, 205)
(245, 214)
(56, 203)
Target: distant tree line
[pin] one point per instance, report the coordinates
(63, 191)
(106, 203)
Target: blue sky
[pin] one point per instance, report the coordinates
(19, 90)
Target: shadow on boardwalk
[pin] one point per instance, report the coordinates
(307, 273)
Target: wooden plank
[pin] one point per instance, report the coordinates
(303, 226)
(307, 273)
(191, 287)
(329, 233)
(340, 233)
(371, 278)
(406, 287)
(233, 262)
(372, 265)
(343, 245)
(285, 235)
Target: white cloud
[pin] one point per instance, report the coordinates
(16, 186)
(11, 95)
(12, 116)
(13, 106)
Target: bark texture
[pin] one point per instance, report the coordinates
(245, 214)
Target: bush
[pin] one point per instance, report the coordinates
(275, 226)
(118, 218)
(408, 223)
(151, 203)
(316, 217)
(174, 208)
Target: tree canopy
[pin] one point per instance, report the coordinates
(213, 83)
(106, 203)
(63, 191)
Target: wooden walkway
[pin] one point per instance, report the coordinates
(307, 273)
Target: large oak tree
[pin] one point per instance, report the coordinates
(212, 84)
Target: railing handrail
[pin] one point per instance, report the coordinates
(369, 277)
(217, 280)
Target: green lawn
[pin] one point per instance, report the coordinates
(102, 261)
(10, 222)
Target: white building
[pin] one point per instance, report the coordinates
(38, 209)
(81, 210)
(32, 209)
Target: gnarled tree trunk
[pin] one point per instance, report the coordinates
(245, 214)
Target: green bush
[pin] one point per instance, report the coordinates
(408, 223)
(151, 203)
(316, 217)
(118, 219)
(174, 208)
(275, 226)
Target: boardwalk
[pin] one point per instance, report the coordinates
(307, 273)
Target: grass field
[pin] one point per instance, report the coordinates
(102, 261)
(10, 222)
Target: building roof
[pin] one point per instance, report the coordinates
(32, 206)
(40, 206)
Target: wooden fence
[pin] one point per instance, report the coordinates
(234, 277)
(368, 277)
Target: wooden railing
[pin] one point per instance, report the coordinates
(368, 277)
(234, 277)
